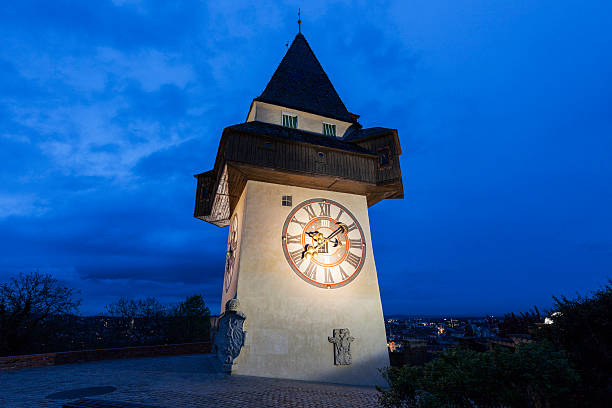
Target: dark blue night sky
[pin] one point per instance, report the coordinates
(504, 111)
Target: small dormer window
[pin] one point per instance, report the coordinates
(290, 120)
(329, 129)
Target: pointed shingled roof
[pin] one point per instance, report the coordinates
(300, 83)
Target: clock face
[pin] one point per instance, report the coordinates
(232, 252)
(323, 243)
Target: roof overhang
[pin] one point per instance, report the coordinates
(235, 176)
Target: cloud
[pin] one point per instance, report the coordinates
(21, 205)
(108, 108)
(150, 68)
(96, 70)
(81, 129)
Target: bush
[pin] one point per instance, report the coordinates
(568, 365)
(535, 375)
(524, 323)
(582, 327)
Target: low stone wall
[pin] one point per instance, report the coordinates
(68, 357)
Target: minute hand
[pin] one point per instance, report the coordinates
(341, 228)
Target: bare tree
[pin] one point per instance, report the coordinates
(141, 321)
(139, 308)
(124, 307)
(26, 302)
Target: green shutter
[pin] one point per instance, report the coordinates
(329, 129)
(290, 121)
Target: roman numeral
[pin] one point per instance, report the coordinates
(294, 239)
(311, 271)
(352, 227)
(342, 273)
(325, 209)
(355, 243)
(302, 224)
(310, 212)
(297, 257)
(353, 259)
(339, 214)
(328, 276)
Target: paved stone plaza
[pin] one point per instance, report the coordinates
(170, 382)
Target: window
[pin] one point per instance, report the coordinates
(384, 157)
(329, 129)
(286, 201)
(290, 120)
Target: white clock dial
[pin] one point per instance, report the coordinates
(323, 243)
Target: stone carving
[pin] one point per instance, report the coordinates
(342, 346)
(230, 336)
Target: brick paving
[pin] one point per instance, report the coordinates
(173, 382)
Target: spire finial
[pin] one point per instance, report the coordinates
(299, 21)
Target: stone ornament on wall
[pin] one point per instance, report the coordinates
(342, 346)
(230, 336)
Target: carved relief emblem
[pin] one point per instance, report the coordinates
(342, 346)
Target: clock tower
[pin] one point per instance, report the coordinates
(294, 183)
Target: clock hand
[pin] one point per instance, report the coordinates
(311, 251)
(341, 228)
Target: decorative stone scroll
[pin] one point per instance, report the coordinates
(342, 346)
(230, 336)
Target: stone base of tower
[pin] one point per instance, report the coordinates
(289, 322)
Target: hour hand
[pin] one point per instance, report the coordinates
(311, 250)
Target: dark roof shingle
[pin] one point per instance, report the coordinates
(300, 83)
(361, 133)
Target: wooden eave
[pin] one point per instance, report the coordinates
(231, 175)
(319, 147)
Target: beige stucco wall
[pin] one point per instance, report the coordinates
(288, 320)
(268, 113)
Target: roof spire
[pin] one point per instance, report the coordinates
(299, 21)
(300, 83)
